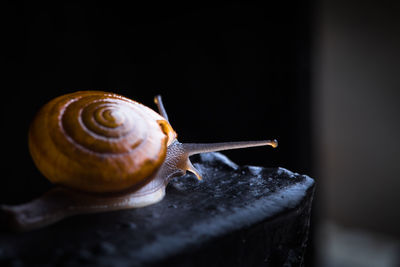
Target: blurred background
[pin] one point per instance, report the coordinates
(356, 92)
(320, 76)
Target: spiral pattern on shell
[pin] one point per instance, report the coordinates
(98, 142)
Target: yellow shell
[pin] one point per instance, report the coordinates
(98, 142)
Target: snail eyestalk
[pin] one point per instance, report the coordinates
(193, 148)
(160, 106)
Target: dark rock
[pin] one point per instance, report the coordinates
(236, 216)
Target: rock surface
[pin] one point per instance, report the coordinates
(236, 216)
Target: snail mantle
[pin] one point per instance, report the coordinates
(235, 216)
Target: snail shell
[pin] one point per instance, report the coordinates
(98, 142)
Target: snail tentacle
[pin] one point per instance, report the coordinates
(194, 148)
(160, 106)
(192, 169)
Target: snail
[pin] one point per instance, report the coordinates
(104, 152)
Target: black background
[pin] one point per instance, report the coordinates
(226, 71)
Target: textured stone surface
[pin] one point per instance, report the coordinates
(236, 216)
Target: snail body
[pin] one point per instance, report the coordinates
(104, 152)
